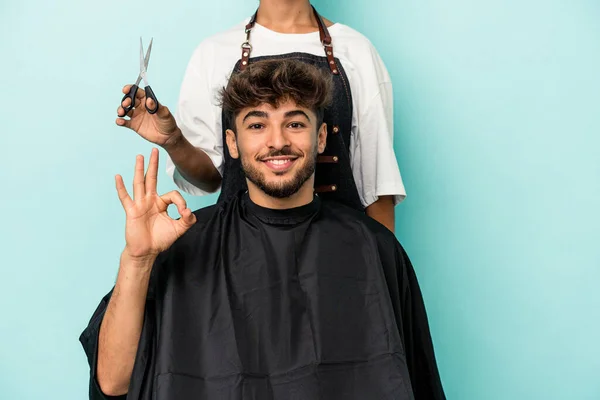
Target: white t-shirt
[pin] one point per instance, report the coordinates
(372, 155)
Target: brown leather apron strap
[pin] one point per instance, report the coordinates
(246, 46)
(327, 159)
(326, 42)
(325, 188)
(323, 35)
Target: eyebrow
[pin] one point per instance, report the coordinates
(263, 114)
(295, 113)
(255, 113)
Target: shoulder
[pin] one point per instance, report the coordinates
(367, 225)
(215, 43)
(342, 32)
(218, 51)
(358, 44)
(355, 228)
(360, 58)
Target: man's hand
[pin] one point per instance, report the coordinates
(149, 229)
(159, 128)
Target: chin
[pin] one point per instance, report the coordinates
(280, 191)
(282, 186)
(279, 183)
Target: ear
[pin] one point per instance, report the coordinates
(322, 138)
(232, 143)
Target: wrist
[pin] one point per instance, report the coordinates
(175, 142)
(134, 274)
(138, 261)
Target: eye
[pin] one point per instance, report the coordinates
(255, 126)
(296, 125)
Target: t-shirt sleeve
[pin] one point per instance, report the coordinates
(198, 116)
(373, 159)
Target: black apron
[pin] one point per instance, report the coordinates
(333, 174)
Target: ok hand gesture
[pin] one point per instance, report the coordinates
(149, 229)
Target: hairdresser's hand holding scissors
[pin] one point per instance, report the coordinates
(146, 116)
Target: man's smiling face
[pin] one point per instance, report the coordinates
(278, 146)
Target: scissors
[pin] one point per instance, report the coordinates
(133, 90)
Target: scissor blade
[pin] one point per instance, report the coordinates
(142, 64)
(147, 58)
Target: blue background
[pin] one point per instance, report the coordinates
(497, 135)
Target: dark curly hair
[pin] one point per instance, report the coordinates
(275, 81)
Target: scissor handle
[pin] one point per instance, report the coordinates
(150, 95)
(132, 92)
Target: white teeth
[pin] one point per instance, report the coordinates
(279, 162)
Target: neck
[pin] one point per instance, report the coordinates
(302, 197)
(287, 16)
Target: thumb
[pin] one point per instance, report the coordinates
(150, 103)
(162, 112)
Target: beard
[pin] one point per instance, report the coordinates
(281, 189)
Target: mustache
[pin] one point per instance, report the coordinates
(279, 153)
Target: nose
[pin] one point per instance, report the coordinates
(278, 139)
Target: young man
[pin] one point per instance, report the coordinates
(358, 167)
(271, 295)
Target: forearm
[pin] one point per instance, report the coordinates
(193, 164)
(122, 325)
(383, 212)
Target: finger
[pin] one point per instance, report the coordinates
(138, 179)
(188, 218)
(121, 112)
(150, 104)
(122, 192)
(123, 122)
(140, 94)
(174, 197)
(127, 88)
(126, 102)
(152, 173)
